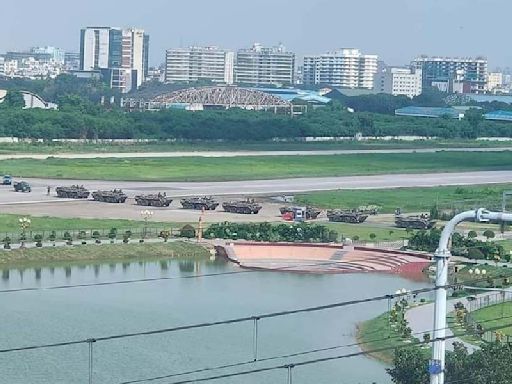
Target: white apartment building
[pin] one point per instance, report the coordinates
(399, 81)
(345, 68)
(260, 65)
(199, 63)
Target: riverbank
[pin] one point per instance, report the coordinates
(102, 253)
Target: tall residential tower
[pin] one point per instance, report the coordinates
(121, 55)
(344, 68)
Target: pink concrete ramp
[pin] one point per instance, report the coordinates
(324, 258)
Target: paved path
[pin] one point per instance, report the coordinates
(241, 153)
(421, 319)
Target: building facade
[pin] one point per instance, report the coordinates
(199, 63)
(458, 75)
(399, 81)
(344, 68)
(120, 54)
(494, 81)
(260, 65)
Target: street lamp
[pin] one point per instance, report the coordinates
(442, 258)
(146, 215)
(24, 223)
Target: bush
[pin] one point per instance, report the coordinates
(475, 254)
(472, 235)
(96, 236)
(39, 240)
(52, 236)
(82, 235)
(188, 231)
(489, 234)
(165, 234)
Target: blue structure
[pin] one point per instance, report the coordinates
(290, 94)
(499, 116)
(429, 112)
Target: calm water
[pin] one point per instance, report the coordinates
(28, 318)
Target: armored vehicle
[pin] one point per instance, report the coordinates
(73, 192)
(200, 203)
(22, 186)
(311, 213)
(114, 196)
(246, 207)
(339, 216)
(155, 200)
(414, 222)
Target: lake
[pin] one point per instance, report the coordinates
(48, 316)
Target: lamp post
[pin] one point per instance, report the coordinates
(146, 215)
(442, 258)
(24, 223)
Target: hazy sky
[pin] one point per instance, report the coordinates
(396, 30)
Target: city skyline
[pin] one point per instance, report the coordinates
(406, 29)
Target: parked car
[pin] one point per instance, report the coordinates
(22, 186)
(7, 180)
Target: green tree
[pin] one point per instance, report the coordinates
(489, 234)
(13, 99)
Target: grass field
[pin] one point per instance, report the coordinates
(9, 223)
(376, 334)
(363, 231)
(239, 146)
(102, 253)
(409, 199)
(255, 167)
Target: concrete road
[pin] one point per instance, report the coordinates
(263, 187)
(235, 153)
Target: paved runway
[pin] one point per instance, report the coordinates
(235, 153)
(261, 187)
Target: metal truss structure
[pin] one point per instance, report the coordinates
(227, 97)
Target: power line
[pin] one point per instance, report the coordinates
(233, 321)
(320, 360)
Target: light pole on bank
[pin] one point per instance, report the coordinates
(442, 258)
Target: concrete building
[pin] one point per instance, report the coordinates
(494, 81)
(457, 75)
(399, 81)
(120, 54)
(265, 66)
(345, 68)
(199, 63)
(57, 54)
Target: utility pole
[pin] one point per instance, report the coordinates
(442, 258)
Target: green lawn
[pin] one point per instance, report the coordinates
(363, 231)
(409, 199)
(377, 333)
(103, 253)
(239, 146)
(255, 167)
(9, 223)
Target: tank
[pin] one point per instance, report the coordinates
(200, 203)
(73, 192)
(311, 213)
(22, 186)
(414, 222)
(246, 207)
(153, 200)
(114, 196)
(340, 216)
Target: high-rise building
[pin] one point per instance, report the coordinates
(399, 81)
(345, 68)
(461, 75)
(199, 63)
(494, 81)
(265, 66)
(120, 54)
